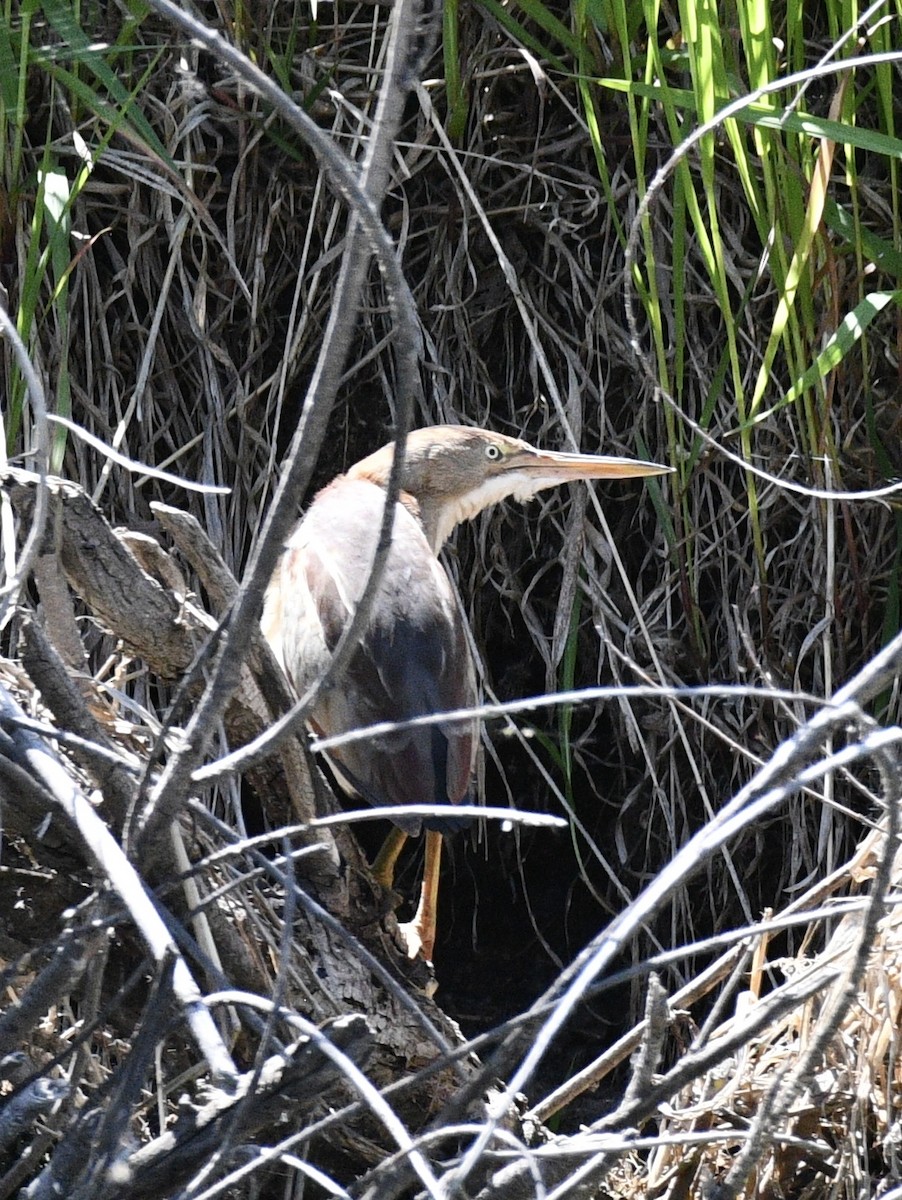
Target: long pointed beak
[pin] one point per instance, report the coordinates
(533, 470)
(558, 467)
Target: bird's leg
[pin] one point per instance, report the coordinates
(420, 932)
(383, 867)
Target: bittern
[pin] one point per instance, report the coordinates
(413, 658)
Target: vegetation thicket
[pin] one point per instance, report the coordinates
(671, 232)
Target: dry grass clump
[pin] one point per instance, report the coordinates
(758, 1120)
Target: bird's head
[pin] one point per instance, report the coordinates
(453, 472)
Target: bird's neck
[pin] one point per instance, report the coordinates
(435, 520)
(440, 517)
(439, 514)
(428, 518)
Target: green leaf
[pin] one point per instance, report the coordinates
(850, 330)
(91, 56)
(882, 254)
(517, 31)
(9, 72)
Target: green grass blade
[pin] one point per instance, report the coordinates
(846, 336)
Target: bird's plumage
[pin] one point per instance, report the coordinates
(412, 660)
(413, 657)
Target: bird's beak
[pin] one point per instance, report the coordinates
(590, 466)
(545, 468)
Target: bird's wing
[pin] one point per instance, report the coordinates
(413, 659)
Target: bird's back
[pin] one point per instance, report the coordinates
(412, 660)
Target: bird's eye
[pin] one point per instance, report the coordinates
(492, 452)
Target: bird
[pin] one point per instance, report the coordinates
(413, 657)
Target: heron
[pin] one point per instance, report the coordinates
(414, 656)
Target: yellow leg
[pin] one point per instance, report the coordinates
(420, 932)
(384, 863)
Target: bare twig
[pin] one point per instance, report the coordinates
(780, 778)
(10, 590)
(105, 853)
(362, 195)
(71, 712)
(790, 1081)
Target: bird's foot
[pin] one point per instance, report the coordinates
(417, 941)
